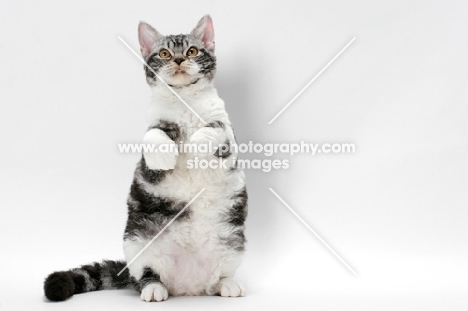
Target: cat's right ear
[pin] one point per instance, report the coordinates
(147, 36)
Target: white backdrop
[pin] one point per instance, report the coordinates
(396, 210)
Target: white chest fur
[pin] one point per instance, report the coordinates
(202, 98)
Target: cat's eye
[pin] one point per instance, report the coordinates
(164, 53)
(193, 51)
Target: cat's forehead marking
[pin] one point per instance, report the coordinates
(178, 43)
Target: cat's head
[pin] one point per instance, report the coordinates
(179, 60)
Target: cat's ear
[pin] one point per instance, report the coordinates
(204, 32)
(147, 36)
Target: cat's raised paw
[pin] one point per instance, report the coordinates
(207, 135)
(154, 292)
(230, 288)
(161, 160)
(160, 153)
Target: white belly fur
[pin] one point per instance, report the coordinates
(188, 256)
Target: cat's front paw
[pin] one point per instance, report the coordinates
(230, 288)
(161, 160)
(210, 137)
(154, 292)
(160, 152)
(206, 135)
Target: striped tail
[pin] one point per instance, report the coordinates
(61, 285)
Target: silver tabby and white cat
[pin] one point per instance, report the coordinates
(200, 251)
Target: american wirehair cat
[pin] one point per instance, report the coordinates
(200, 251)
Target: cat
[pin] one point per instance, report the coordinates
(200, 251)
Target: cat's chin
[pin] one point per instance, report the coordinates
(180, 78)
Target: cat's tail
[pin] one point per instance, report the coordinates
(61, 285)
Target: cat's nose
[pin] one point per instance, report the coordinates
(178, 61)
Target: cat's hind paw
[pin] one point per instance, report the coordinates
(230, 288)
(154, 292)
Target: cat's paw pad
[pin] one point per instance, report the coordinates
(230, 288)
(154, 292)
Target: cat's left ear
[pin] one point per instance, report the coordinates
(204, 32)
(147, 36)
